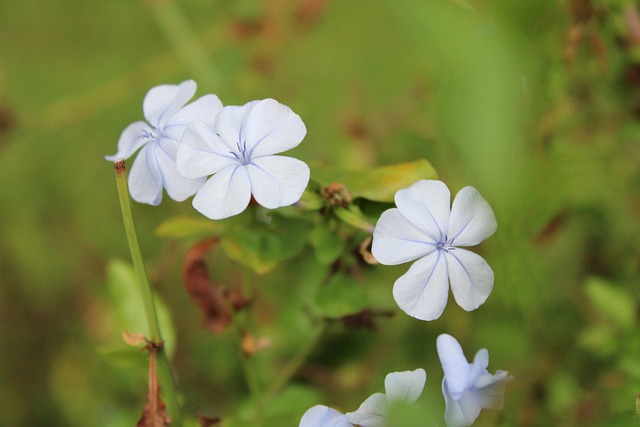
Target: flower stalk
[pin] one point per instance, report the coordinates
(165, 374)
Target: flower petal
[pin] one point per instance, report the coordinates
(397, 240)
(278, 180)
(426, 205)
(231, 123)
(131, 139)
(490, 389)
(405, 386)
(204, 109)
(322, 416)
(272, 128)
(145, 180)
(479, 365)
(178, 186)
(162, 102)
(471, 278)
(202, 152)
(460, 412)
(472, 219)
(372, 412)
(225, 194)
(422, 291)
(454, 364)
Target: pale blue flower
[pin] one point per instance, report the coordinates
(425, 228)
(158, 141)
(403, 387)
(238, 153)
(468, 387)
(323, 416)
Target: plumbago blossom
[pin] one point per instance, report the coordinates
(468, 387)
(238, 152)
(425, 228)
(403, 387)
(159, 139)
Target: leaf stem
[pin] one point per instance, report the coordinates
(165, 374)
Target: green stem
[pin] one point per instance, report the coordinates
(185, 42)
(165, 374)
(294, 365)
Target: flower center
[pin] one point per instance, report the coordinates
(242, 155)
(151, 134)
(445, 245)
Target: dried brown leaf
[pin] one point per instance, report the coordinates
(134, 339)
(154, 413)
(209, 297)
(252, 345)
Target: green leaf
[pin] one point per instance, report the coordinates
(377, 184)
(261, 246)
(127, 308)
(613, 302)
(327, 245)
(181, 227)
(340, 297)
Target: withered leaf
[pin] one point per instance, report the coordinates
(209, 297)
(134, 339)
(154, 413)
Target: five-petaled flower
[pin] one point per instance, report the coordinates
(468, 387)
(403, 387)
(158, 141)
(424, 227)
(239, 154)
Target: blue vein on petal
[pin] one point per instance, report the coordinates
(463, 228)
(466, 271)
(433, 270)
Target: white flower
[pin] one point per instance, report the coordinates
(322, 416)
(238, 152)
(468, 388)
(403, 386)
(158, 141)
(424, 227)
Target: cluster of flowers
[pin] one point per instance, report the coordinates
(467, 389)
(182, 145)
(227, 155)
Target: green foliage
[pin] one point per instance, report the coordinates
(126, 305)
(376, 184)
(340, 297)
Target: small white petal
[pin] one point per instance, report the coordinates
(422, 291)
(230, 124)
(471, 278)
(372, 412)
(405, 386)
(460, 412)
(272, 128)
(396, 240)
(131, 139)
(426, 205)
(204, 109)
(225, 194)
(278, 180)
(162, 102)
(322, 416)
(479, 365)
(454, 364)
(145, 180)
(472, 219)
(490, 389)
(178, 187)
(202, 152)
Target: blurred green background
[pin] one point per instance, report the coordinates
(534, 102)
